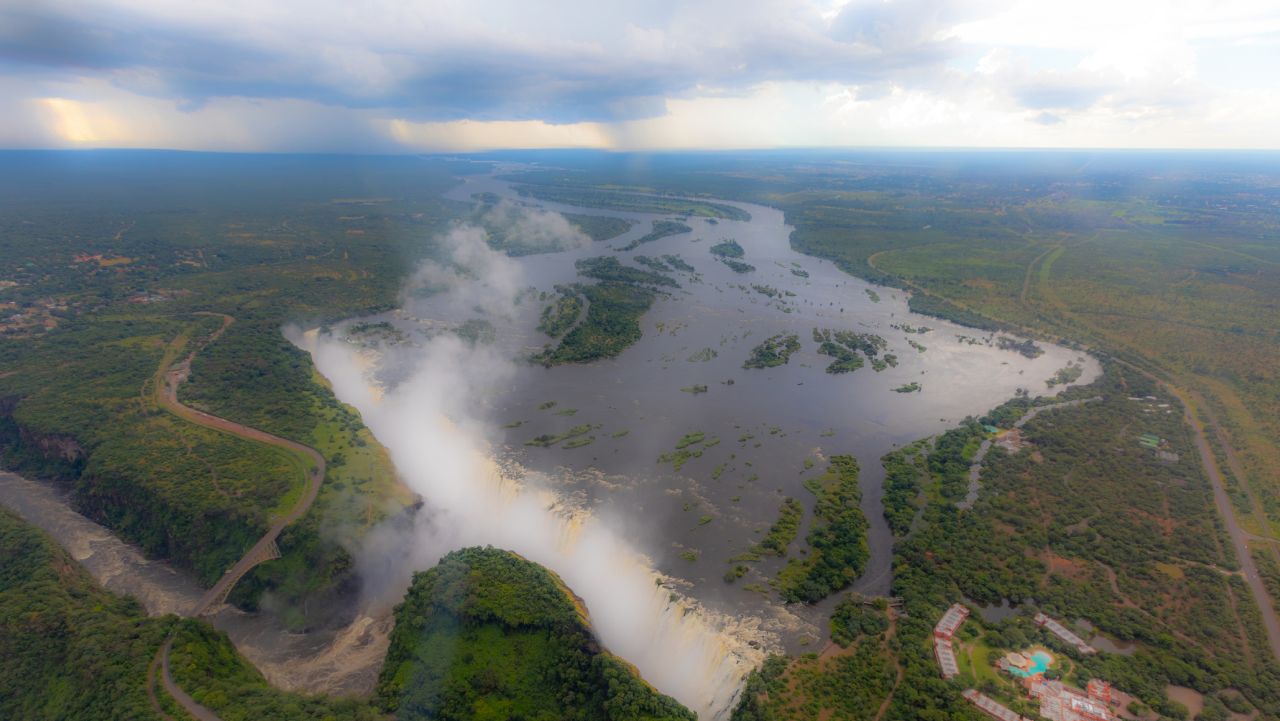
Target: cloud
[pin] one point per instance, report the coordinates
(388, 75)
(1059, 92)
(452, 60)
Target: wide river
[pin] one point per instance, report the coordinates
(765, 431)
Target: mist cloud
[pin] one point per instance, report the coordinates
(428, 419)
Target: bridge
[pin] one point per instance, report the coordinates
(213, 599)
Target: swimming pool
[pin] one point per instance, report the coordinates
(1039, 663)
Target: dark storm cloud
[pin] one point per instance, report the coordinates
(617, 64)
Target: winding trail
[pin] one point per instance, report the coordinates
(265, 548)
(188, 704)
(975, 467)
(167, 380)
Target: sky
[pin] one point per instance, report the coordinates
(455, 75)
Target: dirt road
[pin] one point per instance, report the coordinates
(198, 712)
(168, 379)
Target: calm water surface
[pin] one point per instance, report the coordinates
(767, 422)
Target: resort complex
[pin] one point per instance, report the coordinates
(942, 634)
(1058, 701)
(1064, 633)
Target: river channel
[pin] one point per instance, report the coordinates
(765, 430)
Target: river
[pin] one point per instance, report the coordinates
(687, 525)
(336, 661)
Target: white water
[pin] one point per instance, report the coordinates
(680, 647)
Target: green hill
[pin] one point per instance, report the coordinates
(488, 635)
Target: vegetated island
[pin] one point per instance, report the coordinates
(661, 229)
(654, 264)
(611, 325)
(678, 263)
(614, 308)
(774, 351)
(1070, 373)
(837, 539)
(599, 227)
(503, 234)
(611, 269)
(687, 448)
(727, 248)
(547, 440)
(775, 543)
(738, 266)
(558, 317)
(912, 387)
(844, 345)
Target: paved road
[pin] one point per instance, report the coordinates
(1239, 538)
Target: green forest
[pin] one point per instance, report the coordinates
(486, 634)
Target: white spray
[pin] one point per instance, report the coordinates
(427, 422)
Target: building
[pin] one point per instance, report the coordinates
(951, 621)
(991, 707)
(1063, 633)
(1059, 702)
(946, 655)
(942, 633)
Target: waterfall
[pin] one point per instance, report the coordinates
(684, 649)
